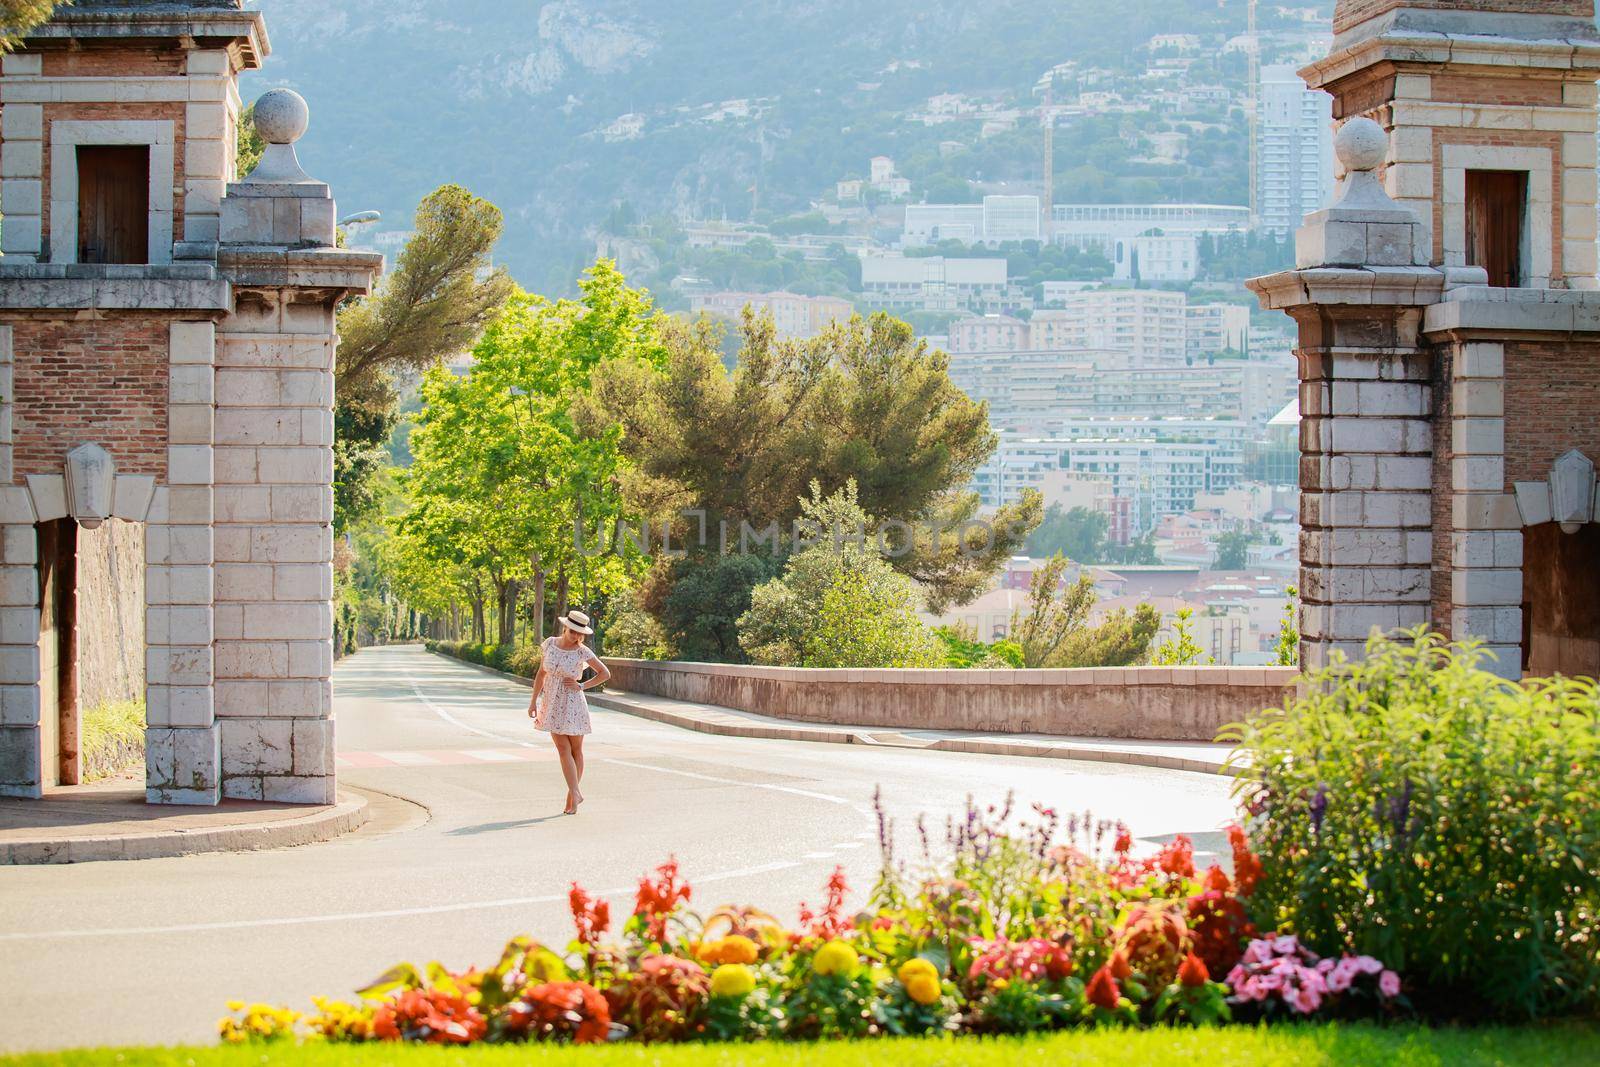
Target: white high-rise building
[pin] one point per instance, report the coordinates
(1294, 157)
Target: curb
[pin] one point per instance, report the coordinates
(886, 738)
(348, 813)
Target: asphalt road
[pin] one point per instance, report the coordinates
(149, 952)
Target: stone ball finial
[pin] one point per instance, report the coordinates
(1361, 145)
(282, 116)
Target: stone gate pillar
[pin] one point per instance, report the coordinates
(1366, 439)
(274, 470)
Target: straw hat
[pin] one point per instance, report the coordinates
(576, 621)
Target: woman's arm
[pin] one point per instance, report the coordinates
(538, 687)
(602, 673)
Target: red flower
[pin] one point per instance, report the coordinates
(1192, 972)
(1177, 857)
(1247, 870)
(1119, 967)
(591, 918)
(1103, 991)
(831, 922)
(557, 1010)
(661, 1001)
(429, 1015)
(1217, 879)
(1220, 928)
(1124, 840)
(659, 898)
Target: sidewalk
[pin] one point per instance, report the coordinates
(83, 824)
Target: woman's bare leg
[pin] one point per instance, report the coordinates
(569, 770)
(575, 745)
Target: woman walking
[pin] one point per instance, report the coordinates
(558, 706)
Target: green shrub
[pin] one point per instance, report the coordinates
(524, 660)
(1417, 808)
(113, 739)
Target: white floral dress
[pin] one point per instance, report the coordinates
(566, 711)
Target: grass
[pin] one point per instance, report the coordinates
(1301, 1046)
(113, 739)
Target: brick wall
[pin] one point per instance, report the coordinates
(99, 380)
(1552, 405)
(117, 62)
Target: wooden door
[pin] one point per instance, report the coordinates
(113, 204)
(1496, 208)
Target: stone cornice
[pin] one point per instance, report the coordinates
(86, 287)
(1438, 49)
(175, 21)
(336, 270)
(1384, 286)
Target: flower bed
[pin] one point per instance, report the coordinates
(1015, 934)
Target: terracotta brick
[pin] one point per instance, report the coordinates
(90, 380)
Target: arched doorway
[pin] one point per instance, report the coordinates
(1561, 600)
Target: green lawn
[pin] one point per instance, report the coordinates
(1282, 1046)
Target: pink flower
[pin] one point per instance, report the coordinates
(1338, 979)
(1366, 965)
(1389, 984)
(1286, 945)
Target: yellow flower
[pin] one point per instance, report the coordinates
(835, 957)
(923, 988)
(732, 980)
(913, 967)
(735, 948)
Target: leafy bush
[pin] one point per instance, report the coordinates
(1055, 630)
(1416, 808)
(631, 632)
(839, 603)
(113, 739)
(962, 649)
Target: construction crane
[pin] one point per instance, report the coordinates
(1047, 118)
(1254, 50)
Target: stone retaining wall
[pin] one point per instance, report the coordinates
(1142, 703)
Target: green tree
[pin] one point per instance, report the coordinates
(442, 293)
(1078, 534)
(1287, 646)
(1054, 631)
(432, 306)
(1233, 550)
(504, 472)
(17, 17)
(1181, 649)
(251, 145)
(865, 402)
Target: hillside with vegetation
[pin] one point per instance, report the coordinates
(743, 110)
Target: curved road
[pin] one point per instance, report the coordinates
(149, 952)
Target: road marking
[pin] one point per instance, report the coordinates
(452, 720)
(363, 916)
(409, 759)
